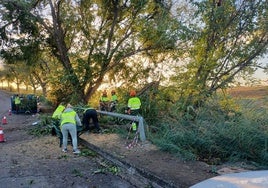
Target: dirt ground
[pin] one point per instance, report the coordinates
(28, 161)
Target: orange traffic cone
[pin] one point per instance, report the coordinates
(4, 120)
(2, 138)
(9, 112)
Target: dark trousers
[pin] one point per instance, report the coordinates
(88, 115)
(17, 108)
(135, 112)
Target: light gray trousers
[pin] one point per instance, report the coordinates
(69, 128)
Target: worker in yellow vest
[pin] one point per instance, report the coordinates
(133, 107)
(69, 120)
(134, 103)
(57, 113)
(56, 116)
(17, 103)
(114, 101)
(104, 101)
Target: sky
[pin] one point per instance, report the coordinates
(259, 74)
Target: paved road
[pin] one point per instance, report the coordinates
(4, 103)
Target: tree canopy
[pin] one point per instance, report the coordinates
(77, 45)
(226, 39)
(89, 39)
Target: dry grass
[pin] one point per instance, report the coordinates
(249, 92)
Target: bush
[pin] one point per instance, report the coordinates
(216, 135)
(43, 126)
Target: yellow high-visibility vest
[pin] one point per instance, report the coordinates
(104, 99)
(134, 103)
(114, 98)
(68, 117)
(17, 100)
(57, 113)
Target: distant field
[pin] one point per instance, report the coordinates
(249, 92)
